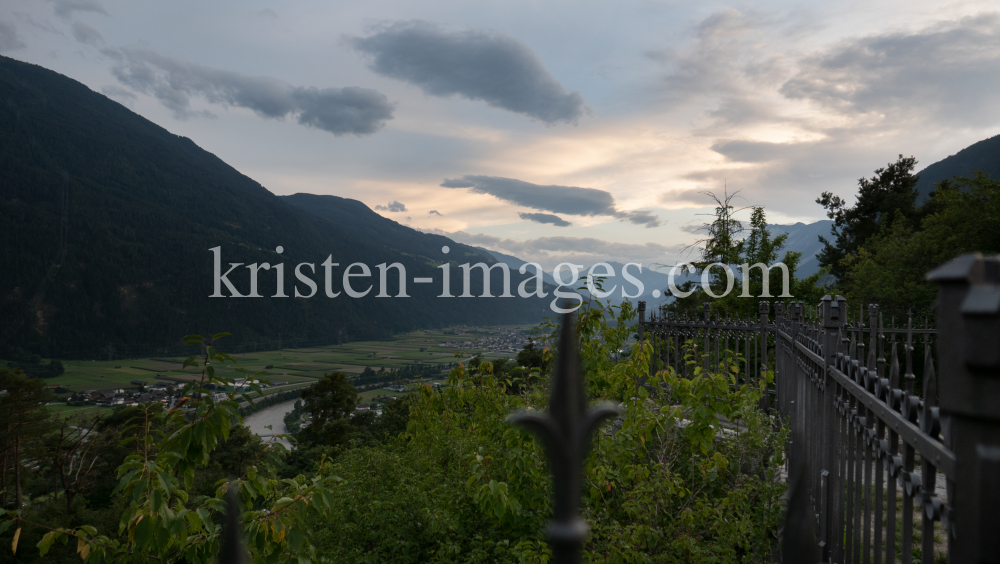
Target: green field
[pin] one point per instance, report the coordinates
(288, 365)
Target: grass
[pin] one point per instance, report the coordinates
(288, 365)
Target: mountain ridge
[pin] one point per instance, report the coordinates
(109, 222)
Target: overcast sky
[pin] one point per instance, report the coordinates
(541, 129)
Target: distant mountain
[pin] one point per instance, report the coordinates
(108, 221)
(804, 238)
(984, 156)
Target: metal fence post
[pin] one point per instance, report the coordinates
(641, 309)
(833, 315)
(780, 384)
(764, 307)
(968, 312)
(706, 361)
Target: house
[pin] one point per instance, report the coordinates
(138, 383)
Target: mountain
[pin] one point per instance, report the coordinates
(108, 222)
(984, 156)
(804, 238)
(363, 223)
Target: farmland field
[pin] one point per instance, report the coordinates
(287, 365)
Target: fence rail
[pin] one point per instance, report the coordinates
(885, 465)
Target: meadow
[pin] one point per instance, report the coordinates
(287, 365)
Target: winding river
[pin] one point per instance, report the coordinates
(273, 416)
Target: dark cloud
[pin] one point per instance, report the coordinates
(475, 64)
(545, 218)
(66, 8)
(393, 206)
(750, 151)
(558, 199)
(86, 34)
(435, 212)
(642, 217)
(949, 72)
(569, 200)
(9, 40)
(267, 13)
(340, 111)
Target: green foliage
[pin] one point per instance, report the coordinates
(883, 198)
(37, 369)
(757, 247)
(961, 216)
(330, 403)
(163, 517)
(666, 482)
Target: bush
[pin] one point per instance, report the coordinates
(665, 482)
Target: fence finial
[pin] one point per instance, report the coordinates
(565, 432)
(894, 364)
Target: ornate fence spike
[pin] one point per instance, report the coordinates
(565, 432)
(232, 550)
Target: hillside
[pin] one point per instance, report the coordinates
(108, 222)
(358, 219)
(984, 156)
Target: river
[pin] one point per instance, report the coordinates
(273, 416)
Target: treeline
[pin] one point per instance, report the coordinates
(407, 373)
(884, 244)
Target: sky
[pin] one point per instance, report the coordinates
(548, 130)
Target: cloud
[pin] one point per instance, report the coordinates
(393, 206)
(435, 212)
(475, 64)
(569, 200)
(724, 69)
(86, 34)
(558, 199)
(949, 71)
(642, 217)
(549, 250)
(340, 111)
(545, 218)
(66, 8)
(9, 40)
(267, 13)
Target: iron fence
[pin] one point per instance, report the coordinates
(883, 467)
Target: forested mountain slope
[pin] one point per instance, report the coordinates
(107, 219)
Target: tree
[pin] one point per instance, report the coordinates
(890, 193)
(73, 450)
(720, 245)
(331, 402)
(22, 417)
(961, 216)
(759, 246)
